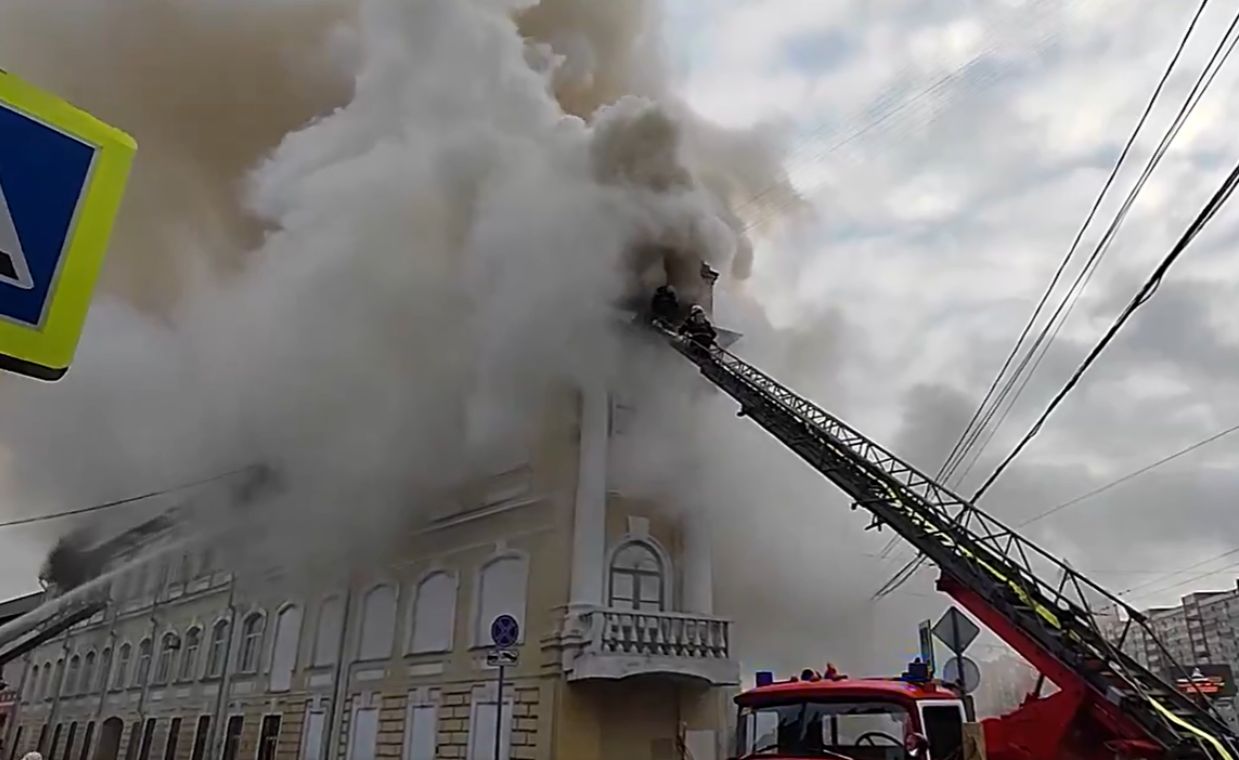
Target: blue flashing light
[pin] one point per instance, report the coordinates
(764, 678)
(918, 672)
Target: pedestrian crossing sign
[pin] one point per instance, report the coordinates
(62, 176)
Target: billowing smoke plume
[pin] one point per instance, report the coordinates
(348, 220)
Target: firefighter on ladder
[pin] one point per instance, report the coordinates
(697, 328)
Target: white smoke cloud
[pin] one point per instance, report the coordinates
(323, 276)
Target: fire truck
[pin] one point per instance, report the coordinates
(1107, 706)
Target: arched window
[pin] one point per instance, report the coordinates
(637, 578)
(120, 679)
(327, 633)
(434, 614)
(501, 590)
(167, 653)
(45, 682)
(105, 670)
(189, 657)
(218, 650)
(251, 641)
(58, 680)
(378, 623)
(87, 684)
(142, 672)
(32, 686)
(284, 650)
(75, 672)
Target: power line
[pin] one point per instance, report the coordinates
(1141, 297)
(950, 463)
(121, 502)
(1185, 582)
(1071, 298)
(1129, 476)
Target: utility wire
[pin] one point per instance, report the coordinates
(950, 464)
(1129, 476)
(1071, 298)
(121, 502)
(1142, 297)
(1186, 581)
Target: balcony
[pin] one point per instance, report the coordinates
(609, 644)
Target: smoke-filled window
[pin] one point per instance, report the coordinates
(434, 614)
(251, 641)
(167, 653)
(327, 632)
(121, 677)
(57, 680)
(637, 580)
(284, 650)
(105, 670)
(218, 650)
(189, 657)
(75, 672)
(378, 623)
(142, 672)
(87, 684)
(501, 590)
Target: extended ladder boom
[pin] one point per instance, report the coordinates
(1039, 605)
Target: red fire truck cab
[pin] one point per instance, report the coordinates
(833, 716)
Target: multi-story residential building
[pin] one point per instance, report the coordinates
(620, 658)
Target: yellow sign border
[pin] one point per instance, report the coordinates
(46, 352)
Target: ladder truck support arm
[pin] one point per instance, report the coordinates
(1111, 705)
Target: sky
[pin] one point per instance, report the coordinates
(947, 153)
(950, 152)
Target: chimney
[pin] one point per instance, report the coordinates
(708, 278)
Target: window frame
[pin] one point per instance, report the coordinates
(666, 603)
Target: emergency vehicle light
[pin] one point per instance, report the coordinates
(764, 678)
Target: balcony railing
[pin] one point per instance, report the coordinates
(666, 634)
(604, 643)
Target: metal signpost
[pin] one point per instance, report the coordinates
(956, 631)
(62, 176)
(504, 633)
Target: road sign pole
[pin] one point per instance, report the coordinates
(499, 715)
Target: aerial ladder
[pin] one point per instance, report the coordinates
(1108, 705)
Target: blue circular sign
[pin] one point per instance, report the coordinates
(505, 631)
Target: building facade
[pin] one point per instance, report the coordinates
(620, 657)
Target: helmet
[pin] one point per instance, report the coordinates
(698, 309)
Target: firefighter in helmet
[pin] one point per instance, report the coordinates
(664, 306)
(697, 327)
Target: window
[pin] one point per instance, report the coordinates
(86, 739)
(174, 738)
(75, 672)
(637, 578)
(70, 740)
(434, 614)
(232, 737)
(87, 684)
(57, 682)
(219, 649)
(871, 728)
(121, 677)
(189, 657)
(944, 727)
(268, 737)
(312, 739)
(251, 641)
(501, 591)
(142, 672)
(365, 734)
(422, 723)
(32, 688)
(135, 738)
(482, 730)
(167, 654)
(148, 737)
(55, 740)
(198, 752)
(378, 623)
(45, 681)
(105, 670)
(284, 650)
(327, 633)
